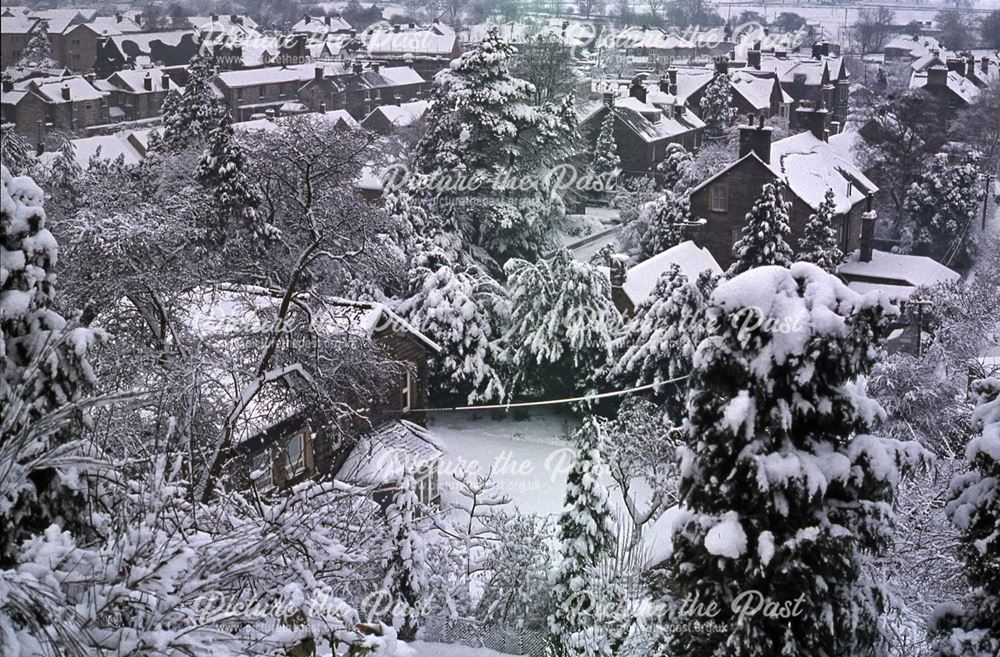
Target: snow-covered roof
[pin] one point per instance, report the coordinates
(917, 46)
(143, 40)
(104, 147)
(383, 454)
(811, 166)
(260, 76)
(321, 25)
(692, 259)
(79, 90)
(133, 80)
(403, 114)
(755, 89)
(654, 123)
(109, 25)
(418, 41)
(401, 75)
(17, 24)
(897, 269)
(960, 85)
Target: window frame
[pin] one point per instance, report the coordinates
(407, 392)
(293, 470)
(714, 191)
(268, 476)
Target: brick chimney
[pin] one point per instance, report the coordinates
(722, 65)
(165, 81)
(306, 18)
(118, 18)
(937, 76)
(618, 274)
(147, 82)
(609, 99)
(358, 68)
(756, 139)
(318, 73)
(395, 28)
(326, 19)
(637, 90)
(813, 118)
(672, 78)
(322, 108)
(65, 91)
(868, 231)
(957, 65)
(753, 59)
(8, 85)
(834, 127)
(817, 51)
(984, 64)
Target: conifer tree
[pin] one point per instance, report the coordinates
(586, 536)
(223, 167)
(716, 106)
(819, 244)
(658, 343)
(562, 320)
(972, 626)
(941, 204)
(674, 166)
(192, 116)
(43, 361)
(406, 569)
(37, 52)
(661, 224)
(764, 234)
(605, 157)
(782, 492)
(15, 149)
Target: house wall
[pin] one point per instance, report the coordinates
(743, 185)
(11, 46)
(76, 49)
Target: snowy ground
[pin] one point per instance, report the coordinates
(430, 649)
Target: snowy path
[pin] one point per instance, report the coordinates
(431, 649)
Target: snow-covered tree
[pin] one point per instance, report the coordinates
(716, 106)
(66, 171)
(44, 361)
(941, 204)
(819, 245)
(464, 311)
(763, 240)
(405, 558)
(605, 158)
(673, 167)
(658, 343)
(659, 226)
(190, 118)
(562, 321)
(782, 491)
(223, 168)
(37, 52)
(482, 130)
(586, 536)
(972, 626)
(15, 149)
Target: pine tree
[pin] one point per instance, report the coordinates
(941, 205)
(586, 536)
(406, 569)
(223, 167)
(972, 627)
(192, 116)
(716, 106)
(763, 242)
(37, 52)
(819, 244)
(659, 342)
(605, 158)
(44, 361)
(782, 493)
(562, 320)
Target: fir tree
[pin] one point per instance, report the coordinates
(37, 52)
(481, 130)
(972, 627)
(674, 165)
(661, 224)
(223, 167)
(192, 116)
(716, 106)
(605, 158)
(562, 321)
(406, 569)
(819, 243)
(763, 242)
(44, 361)
(586, 536)
(658, 343)
(15, 149)
(782, 493)
(941, 205)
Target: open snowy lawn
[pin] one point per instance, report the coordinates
(431, 649)
(529, 458)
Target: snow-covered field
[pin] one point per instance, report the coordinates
(431, 649)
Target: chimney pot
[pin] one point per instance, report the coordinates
(65, 91)
(147, 82)
(755, 139)
(638, 90)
